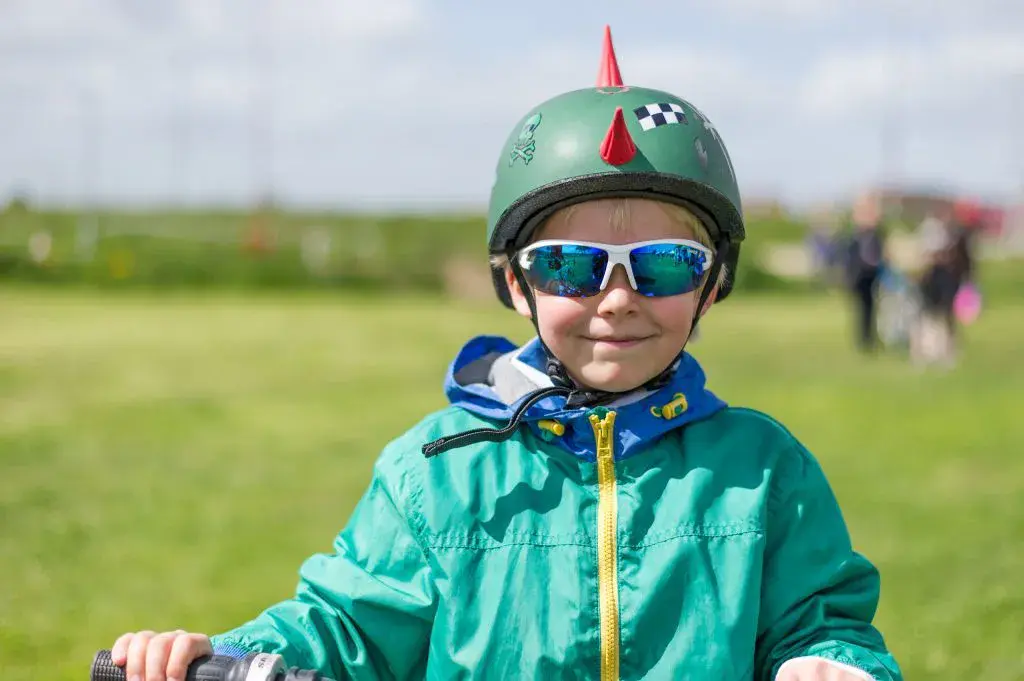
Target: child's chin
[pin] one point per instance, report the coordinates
(614, 378)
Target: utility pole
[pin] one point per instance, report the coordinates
(178, 113)
(87, 227)
(1016, 131)
(892, 131)
(88, 159)
(260, 138)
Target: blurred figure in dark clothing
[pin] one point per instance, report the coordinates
(966, 223)
(865, 258)
(963, 255)
(933, 338)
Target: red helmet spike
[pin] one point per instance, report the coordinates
(608, 75)
(618, 148)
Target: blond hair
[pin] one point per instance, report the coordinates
(620, 219)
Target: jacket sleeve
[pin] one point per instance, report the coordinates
(819, 596)
(363, 612)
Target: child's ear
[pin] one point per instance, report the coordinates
(516, 293)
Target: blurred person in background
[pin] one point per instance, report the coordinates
(932, 338)
(865, 260)
(968, 222)
(966, 219)
(821, 245)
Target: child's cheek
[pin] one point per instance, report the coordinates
(561, 316)
(562, 321)
(674, 314)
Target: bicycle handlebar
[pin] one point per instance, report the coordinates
(254, 667)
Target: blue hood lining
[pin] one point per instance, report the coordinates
(467, 386)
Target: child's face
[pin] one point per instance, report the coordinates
(618, 339)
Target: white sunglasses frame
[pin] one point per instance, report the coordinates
(618, 254)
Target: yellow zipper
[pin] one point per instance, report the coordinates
(607, 546)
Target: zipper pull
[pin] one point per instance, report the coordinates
(603, 430)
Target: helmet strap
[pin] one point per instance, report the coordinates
(721, 253)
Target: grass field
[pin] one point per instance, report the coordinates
(168, 461)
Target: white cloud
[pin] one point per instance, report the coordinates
(939, 76)
(132, 58)
(778, 9)
(138, 77)
(29, 21)
(98, 21)
(903, 13)
(349, 19)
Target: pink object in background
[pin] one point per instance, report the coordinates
(967, 304)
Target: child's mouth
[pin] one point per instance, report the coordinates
(619, 343)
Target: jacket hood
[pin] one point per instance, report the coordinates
(490, 376)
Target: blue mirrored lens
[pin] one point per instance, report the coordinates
(667, 269)
(566, 270)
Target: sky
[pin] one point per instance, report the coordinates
(392, 103)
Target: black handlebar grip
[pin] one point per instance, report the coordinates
(206, 668)
(104, 669)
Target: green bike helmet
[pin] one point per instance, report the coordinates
(607, 141)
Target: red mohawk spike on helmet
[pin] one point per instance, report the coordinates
(618, 147)
(608, 75)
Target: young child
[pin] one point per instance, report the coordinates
(585, 507)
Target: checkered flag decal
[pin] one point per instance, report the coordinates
(653, 115)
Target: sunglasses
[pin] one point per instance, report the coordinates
(579, 269)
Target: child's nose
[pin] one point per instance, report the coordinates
(619, 293)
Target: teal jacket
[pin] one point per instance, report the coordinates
(665, 536)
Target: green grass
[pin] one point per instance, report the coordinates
(167, 461)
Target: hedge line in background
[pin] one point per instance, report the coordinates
(278, 250)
